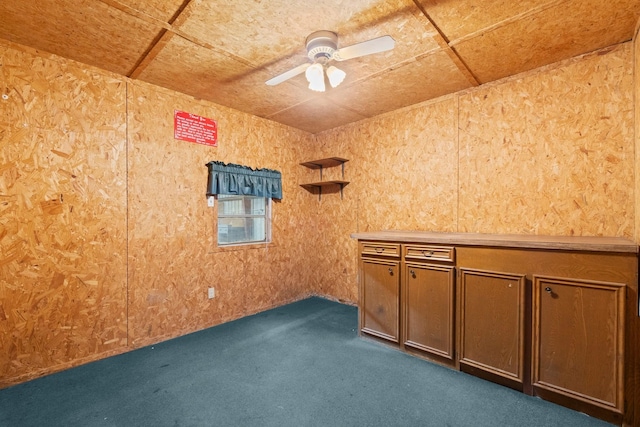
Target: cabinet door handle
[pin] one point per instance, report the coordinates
(390, 270)
(412, 273)
(548, 289)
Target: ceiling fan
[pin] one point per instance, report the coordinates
(322, 47)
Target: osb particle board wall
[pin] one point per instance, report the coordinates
(551, 153)
(548, 152)
(63, 214)
(106, 242)
(172, 252)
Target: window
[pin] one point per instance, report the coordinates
(243, 219)
(244, 201)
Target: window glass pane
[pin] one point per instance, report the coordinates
(247, 205)
(243, 219)
(239, 230)
(258, 206)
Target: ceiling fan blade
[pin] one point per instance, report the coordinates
(288, 74)
(380, 44)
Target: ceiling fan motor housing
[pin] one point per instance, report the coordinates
(321, 45)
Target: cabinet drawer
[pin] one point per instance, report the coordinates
(428, 252)
(380, 249)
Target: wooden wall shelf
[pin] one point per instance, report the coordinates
(329, 162)
(312, 185)
(321, 164)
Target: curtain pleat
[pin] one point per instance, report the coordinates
(243, 180)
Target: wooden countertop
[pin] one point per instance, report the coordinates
(571, 243)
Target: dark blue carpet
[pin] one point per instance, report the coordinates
(298, 365)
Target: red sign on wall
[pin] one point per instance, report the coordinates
(192, 128)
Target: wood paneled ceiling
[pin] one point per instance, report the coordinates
(224, 51)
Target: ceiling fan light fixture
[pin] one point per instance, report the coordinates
(315, 77)
(317, 86)
(336, 76)
(322, 48)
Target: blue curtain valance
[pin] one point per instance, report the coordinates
(243, 180)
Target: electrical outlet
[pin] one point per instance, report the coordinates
(211, 201)
(211, 293)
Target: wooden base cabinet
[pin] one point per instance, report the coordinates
(428, 309)
(553, 316)
(407, 297)
(380, 291)
(492, 324)
(578, 340)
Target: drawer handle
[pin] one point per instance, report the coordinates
(379, 250)
(548, 289)
(427, 253)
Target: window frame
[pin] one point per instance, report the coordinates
(267, 216)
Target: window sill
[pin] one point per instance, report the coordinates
(243, 247)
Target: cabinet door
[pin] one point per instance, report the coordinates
(492, 326)
(428, 301)
(380, 298)
(578, 340)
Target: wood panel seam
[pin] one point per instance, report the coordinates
(507, 21)
(445, 45)
(156, 46)
(126, 218)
